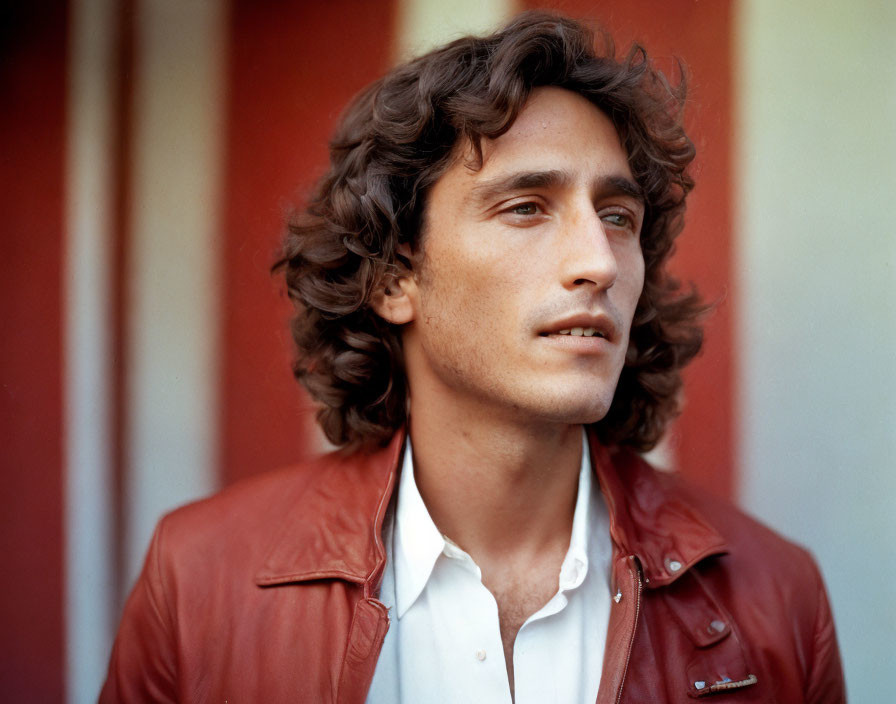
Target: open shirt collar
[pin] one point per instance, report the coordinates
(418, 544)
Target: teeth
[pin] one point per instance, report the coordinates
(580, 332)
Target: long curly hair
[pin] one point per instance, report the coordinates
(396, 139)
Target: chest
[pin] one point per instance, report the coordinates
(463, 640)
(517, 601)
(522, 587)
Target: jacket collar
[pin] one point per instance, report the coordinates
(335, 528)
(650, 517)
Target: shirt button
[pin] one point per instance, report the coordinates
(480, 655)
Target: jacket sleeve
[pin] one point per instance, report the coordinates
(143, 666)
(825, 683)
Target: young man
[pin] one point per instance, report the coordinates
(485, 318)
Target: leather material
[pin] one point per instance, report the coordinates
(267, 592)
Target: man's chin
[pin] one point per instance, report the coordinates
(585, 413)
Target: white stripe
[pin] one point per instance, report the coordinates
(174, 265)
(817, 322)
(425, 24)
(88, 522)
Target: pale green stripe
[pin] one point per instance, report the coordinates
(425, 24)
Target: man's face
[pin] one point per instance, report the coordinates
(531, 269)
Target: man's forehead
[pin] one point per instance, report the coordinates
(559, 139)
(552, 122)
(547, 109)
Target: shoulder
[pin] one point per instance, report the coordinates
(748, 539)
(284, 514)
(773, 593)
(774, 589)
(261, 499)
(236, 526)
(668, 520)
(202, 580)
(760, 566)
(766, 588)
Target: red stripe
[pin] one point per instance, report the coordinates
(32, 167)
(285, 75)
(120, 299)
(700, 34)
(293, 67)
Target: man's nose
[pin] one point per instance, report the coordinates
(589, 259)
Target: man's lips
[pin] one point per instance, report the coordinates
(585, 325)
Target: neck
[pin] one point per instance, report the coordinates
(496, 486)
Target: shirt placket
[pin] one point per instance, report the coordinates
(476, 626)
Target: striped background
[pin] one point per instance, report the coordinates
(149, 150)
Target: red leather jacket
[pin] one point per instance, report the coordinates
(267, 593)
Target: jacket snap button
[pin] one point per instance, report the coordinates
(673, 565)
(716, 627)
(617, 597)
(699, 684)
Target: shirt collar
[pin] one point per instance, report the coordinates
(418, 543)
(651, 515)
(575, 564)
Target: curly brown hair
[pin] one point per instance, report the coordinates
(396, 139)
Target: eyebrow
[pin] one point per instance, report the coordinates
(605, 185)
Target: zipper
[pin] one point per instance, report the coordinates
(631, 642)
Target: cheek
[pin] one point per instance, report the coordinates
(467, 280)
(633, 280)
(452, 299)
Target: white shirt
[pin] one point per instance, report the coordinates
(444, 641)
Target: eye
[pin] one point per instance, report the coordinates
(524, 209)
(618, 219)
(623, 220)
(524, 213)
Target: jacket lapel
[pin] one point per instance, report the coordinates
(649, 519)
(662, 601)
(337, 533)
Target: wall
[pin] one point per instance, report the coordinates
(32, 138)
(151, 151)
(817, 333)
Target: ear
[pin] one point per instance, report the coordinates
(396, 299)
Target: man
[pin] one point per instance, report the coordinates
(486, 321)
